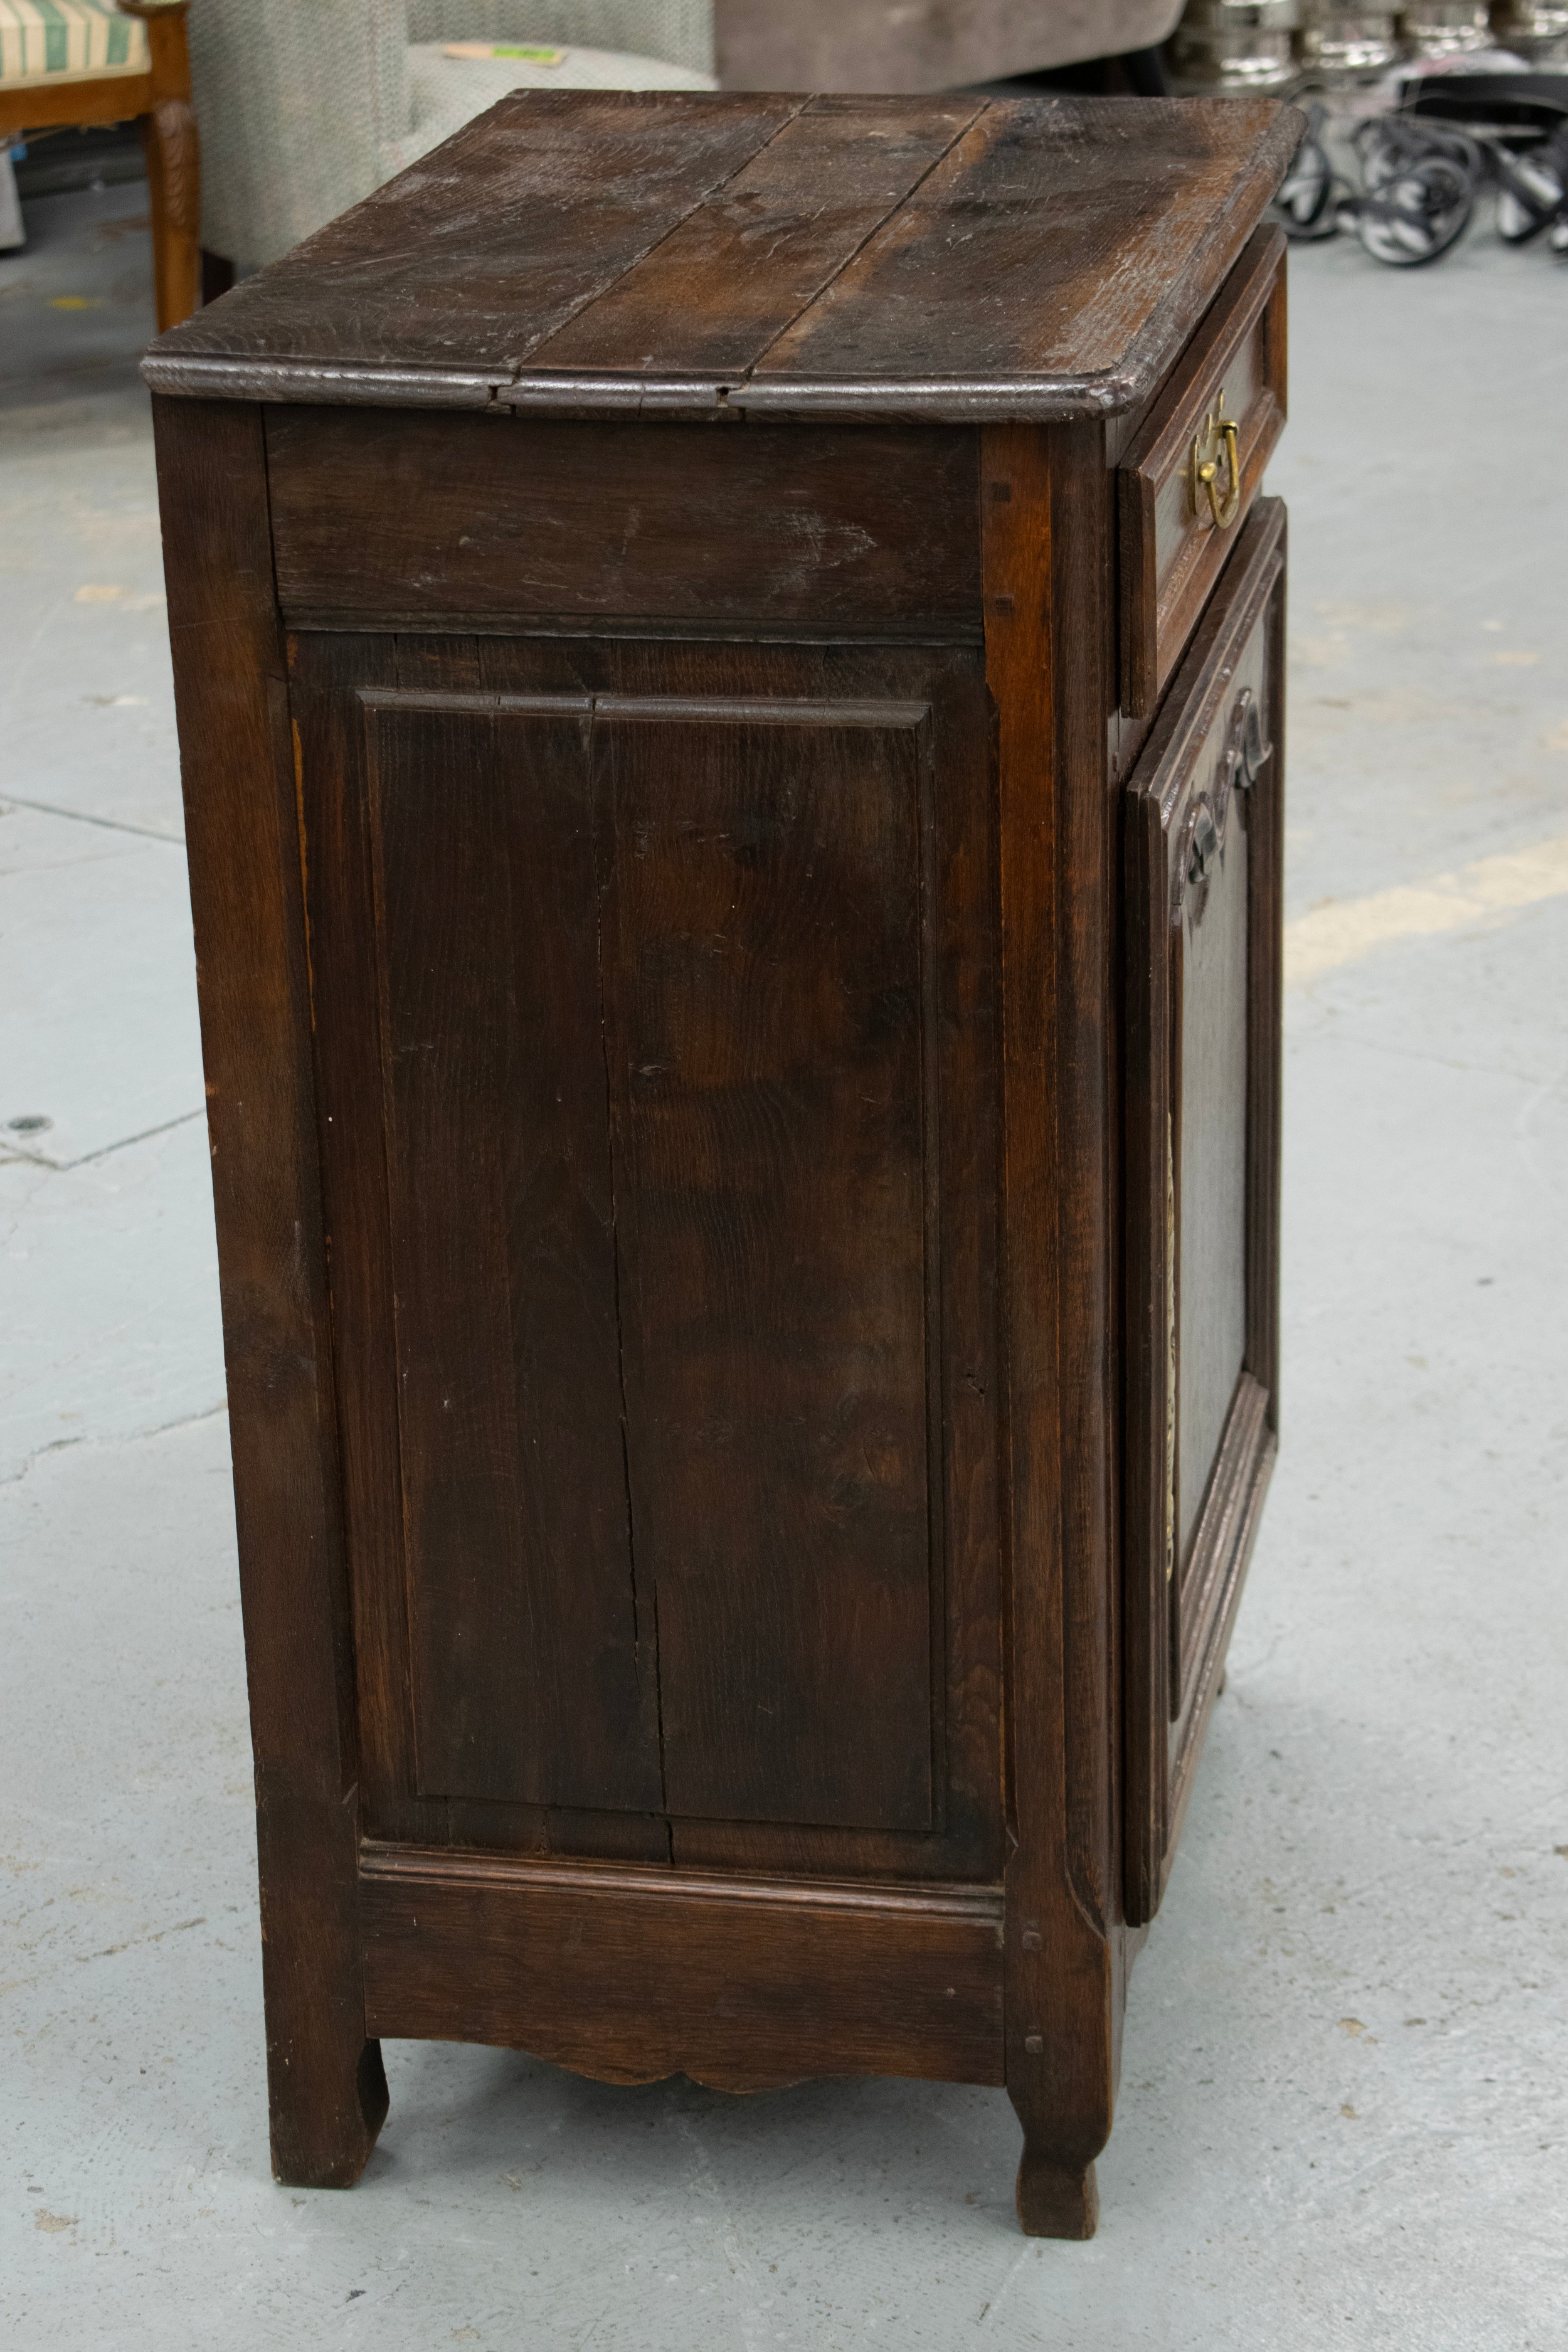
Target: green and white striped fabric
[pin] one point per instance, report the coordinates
(40, 38)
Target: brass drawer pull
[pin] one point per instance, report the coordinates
(1219, 432)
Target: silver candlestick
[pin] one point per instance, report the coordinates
(1236, 44)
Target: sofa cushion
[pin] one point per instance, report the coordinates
(446, 90)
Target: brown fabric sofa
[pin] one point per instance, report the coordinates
(913, 45)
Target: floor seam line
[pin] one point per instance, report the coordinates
(81, 816)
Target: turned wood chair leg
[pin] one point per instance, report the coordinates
(1055, 2193)
(174, 162)
(174, 178)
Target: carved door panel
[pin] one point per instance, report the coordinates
(1202, 841)
(632, 1159)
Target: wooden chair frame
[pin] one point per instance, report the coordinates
(161, 98)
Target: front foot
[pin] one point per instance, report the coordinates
(1056, 2201)
(325, 2117)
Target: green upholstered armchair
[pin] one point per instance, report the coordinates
(306, 105)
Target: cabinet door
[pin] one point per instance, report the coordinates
(1201, 843)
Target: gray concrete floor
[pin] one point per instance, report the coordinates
(1343, 2112)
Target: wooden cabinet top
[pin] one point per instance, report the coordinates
(578, 252)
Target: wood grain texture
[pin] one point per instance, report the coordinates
(947, 841)
(771, 1035)
(730, 1188)
(60, 102)
(533, 1680)
(173, 151)
(1211, 1133)
(485, 247)
(331, 795)
(1148, 1353)
(936, 803)
(509, 266)
(328, 2094)
(1171, 554)
(1043, 531)
(414, 520)
(160, 97)
(1083, 657)
(742, 267)
(1072, 301)
(634, 1976)
(1201, 1190)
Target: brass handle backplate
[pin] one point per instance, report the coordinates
(1218, 437)
(1243, 757)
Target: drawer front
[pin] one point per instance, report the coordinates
(1203, 831)
(1188, 480)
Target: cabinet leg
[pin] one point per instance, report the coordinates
(1057, 2196)
(325, 2125)
(325, 2084)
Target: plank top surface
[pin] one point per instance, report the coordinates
(578, 251)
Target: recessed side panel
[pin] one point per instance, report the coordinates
(642, 1349)
(773, 1071)
(532, 1671)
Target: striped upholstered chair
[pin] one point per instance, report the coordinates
(81, 61)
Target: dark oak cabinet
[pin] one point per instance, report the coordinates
(728, 659)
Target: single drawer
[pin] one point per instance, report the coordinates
(1190, 477)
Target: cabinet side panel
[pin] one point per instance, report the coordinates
(484, 678)
(770, 1035)
(423, 516)
(634, 1975)
(530, 1682)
